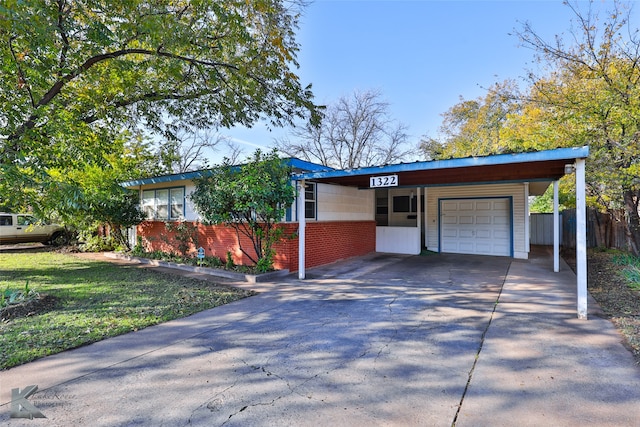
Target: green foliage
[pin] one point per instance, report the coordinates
(475, 127)
(630, 268)
(98, 243)
(566, 198)
(229, 264)
(82, 82)
(251, 199)
(11, 297)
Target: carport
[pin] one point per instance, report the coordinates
(535, 171)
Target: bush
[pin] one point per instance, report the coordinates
(9, 297)
(93, 243)
(630, 268)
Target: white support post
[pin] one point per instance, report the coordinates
(302, 225)
(581, 238)
(419, 220)
(556, 229)
(425, 224)
(527, 222)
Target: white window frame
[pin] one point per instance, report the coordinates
(153, 201)
(310, 199)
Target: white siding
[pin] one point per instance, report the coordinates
(516, 191)
(337, 203)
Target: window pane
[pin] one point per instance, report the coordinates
(310, 200)
(309, 209)
(177, 203)
(401, 203)
(310, 192)
(148, 203)
(162, 204)
(6, 220)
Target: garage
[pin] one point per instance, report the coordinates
(476, 226)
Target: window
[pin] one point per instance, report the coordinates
(310, 200)
(401, 204)
(164, 204)
(407, 204)
(6, 220)
(26, 220)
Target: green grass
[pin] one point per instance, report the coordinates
(630, 268)
(95, 300)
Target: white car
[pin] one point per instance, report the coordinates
(22, 228)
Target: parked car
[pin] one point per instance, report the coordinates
(22, 228)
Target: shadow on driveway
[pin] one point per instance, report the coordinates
(378, 340)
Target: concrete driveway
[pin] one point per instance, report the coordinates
(437, 340)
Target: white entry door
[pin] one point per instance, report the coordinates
(476, 226)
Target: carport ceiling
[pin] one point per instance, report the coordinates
(541, 166)
(546, 171)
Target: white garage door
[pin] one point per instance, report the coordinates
(476, 226)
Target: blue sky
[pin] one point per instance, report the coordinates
(421, 55)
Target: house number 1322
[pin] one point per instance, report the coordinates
(383, 181)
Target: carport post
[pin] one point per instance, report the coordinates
(556, 229)
(302, 225)
(581, 239)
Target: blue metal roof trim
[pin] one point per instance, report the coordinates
(498, 159)
(295, 163)
(164, 178)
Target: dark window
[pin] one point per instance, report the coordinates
(401, 204)
(310, 200)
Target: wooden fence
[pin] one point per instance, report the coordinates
(602, 230)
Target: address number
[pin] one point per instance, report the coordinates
(383, 181)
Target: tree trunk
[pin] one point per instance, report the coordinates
(631, 198)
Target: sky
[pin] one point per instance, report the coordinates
(421, 55)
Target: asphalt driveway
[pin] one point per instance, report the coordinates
(436, 340)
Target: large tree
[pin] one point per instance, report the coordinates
(587, 93)
(75, 74)
(593, 97)
(354, 132)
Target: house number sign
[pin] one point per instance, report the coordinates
(383, 181)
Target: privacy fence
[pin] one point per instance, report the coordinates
(602, 230)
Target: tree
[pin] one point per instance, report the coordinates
(593, 97)
(588, 94)
(475, 127)
(75, 74)
(187, 151)
(354, 132)
(251, 199)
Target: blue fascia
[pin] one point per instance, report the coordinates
(294, 163)
(498, 159)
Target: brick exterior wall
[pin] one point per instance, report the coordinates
(327, 242)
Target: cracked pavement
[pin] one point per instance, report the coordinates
(381, 340)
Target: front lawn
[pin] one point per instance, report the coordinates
(88, 301)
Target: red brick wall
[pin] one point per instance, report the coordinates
(326, 242)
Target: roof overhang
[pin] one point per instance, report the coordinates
(298, 166)
(539, 166)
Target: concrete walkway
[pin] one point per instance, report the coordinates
(381, 340)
